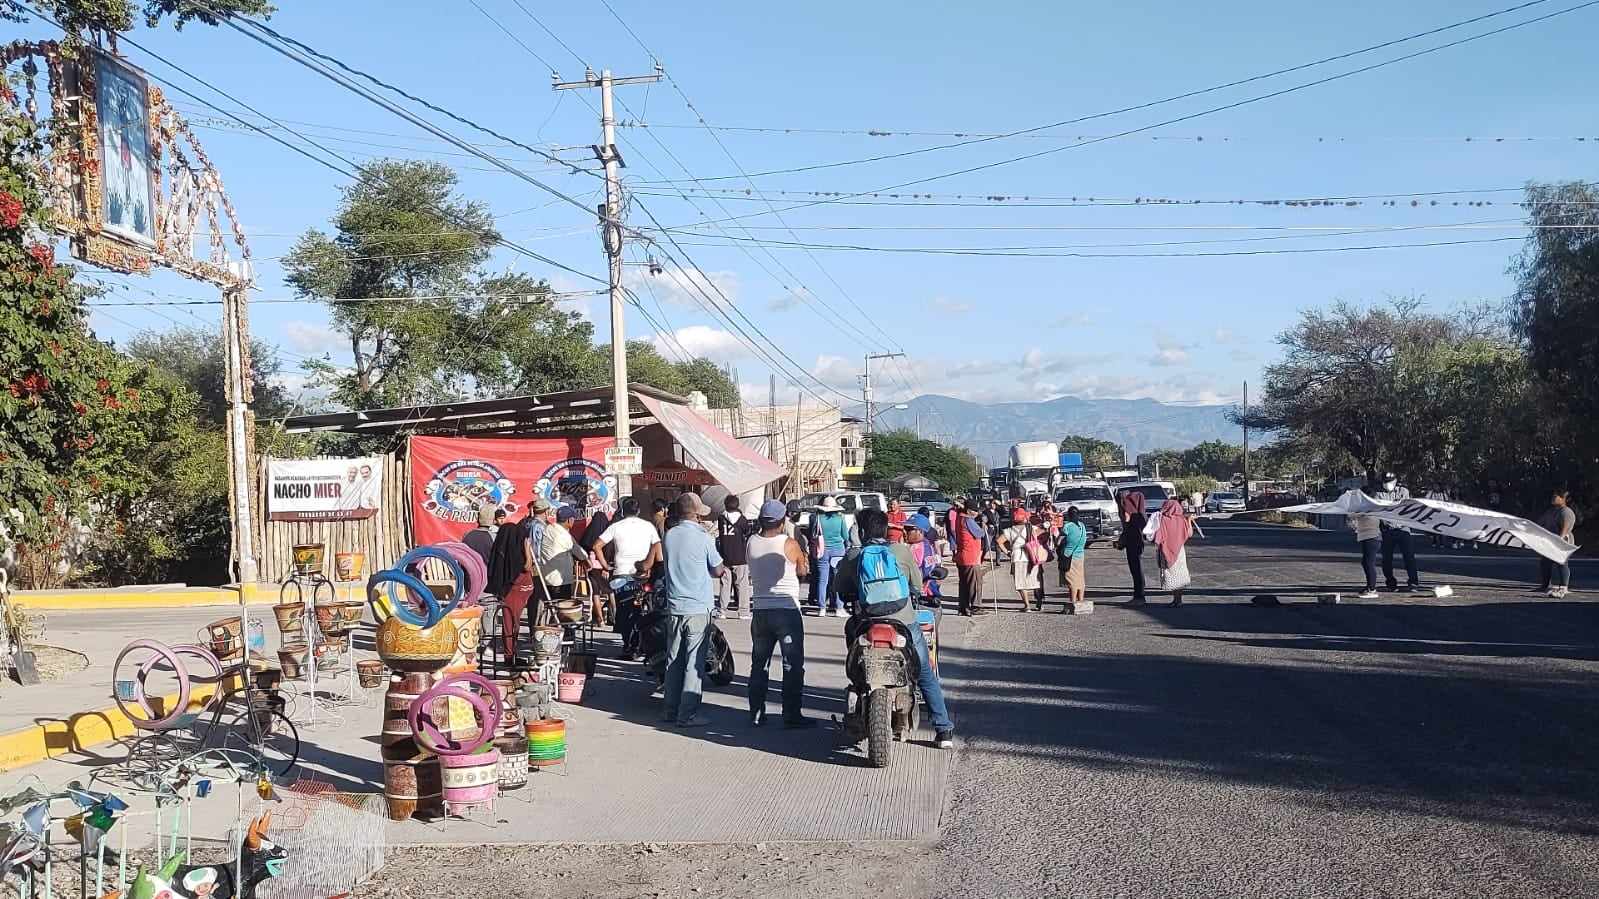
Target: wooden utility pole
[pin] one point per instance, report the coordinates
(611, 240)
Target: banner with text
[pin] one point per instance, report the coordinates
(1449, 519)
(324, 489)
(451, 477)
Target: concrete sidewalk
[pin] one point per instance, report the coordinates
(629, 778)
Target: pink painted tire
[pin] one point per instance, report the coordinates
(477, 574)
(187, 649)
(149, 721)
(488, 710)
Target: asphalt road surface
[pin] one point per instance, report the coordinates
(1405, 746)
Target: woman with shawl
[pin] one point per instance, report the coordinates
(1169, 528)
(1130, 504)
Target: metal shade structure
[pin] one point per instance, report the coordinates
(563, 412)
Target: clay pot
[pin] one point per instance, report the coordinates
(571, 687)
(470, 780)
(396, 736)
(328, 620)
(291, 659)
(308, 557)
(349, 566)
(350, 613)
(291, 618)
(407, 648)
(468, 633)
(569, 611)
(370, 673)
(546, 642)
(225, 637)
(546, 742)
(513, 762)
(411, 783)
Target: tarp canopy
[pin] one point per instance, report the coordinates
(1455, 520)
(732, 464)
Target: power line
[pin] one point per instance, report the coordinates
(978, 251)
(1214, 109)
(526, 297)
(1218, 138)
(1171, 99)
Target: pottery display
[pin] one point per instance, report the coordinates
(546, 742)
(470, 780)
(292, 660)
(225, 637)
(371, 673)
(412, 783)
(407, 648)
(546, 642)
(350, 613)
(291, 618)
(349, 566)
(513, 762)
(328, 619)
(308, 557)
(569, 611)
(468, 633)
(570, 687)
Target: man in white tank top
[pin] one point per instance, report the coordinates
(776, 564)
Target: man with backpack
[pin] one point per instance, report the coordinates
(877, 580)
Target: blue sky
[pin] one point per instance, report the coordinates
(1184, 329)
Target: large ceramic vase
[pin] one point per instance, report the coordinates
(468, 633)
(412, 783)
(416, 649)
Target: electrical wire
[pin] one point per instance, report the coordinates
(1484, 139)
(978, 251)
(1171, 99)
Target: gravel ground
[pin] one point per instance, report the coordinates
(1400, 747)
(659, 871)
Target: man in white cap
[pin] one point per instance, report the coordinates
(776, 564)
(692, 563)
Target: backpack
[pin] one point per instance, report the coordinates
(884, 589)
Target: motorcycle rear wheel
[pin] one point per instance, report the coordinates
(722, 674)
(879, 727)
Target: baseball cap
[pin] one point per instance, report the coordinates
(774, 510)
(691, 504)
(565, 513)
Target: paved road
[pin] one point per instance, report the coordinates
(1405, 746)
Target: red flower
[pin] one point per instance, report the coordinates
(111, 402)
(80, 408)
(10, 210)
(43, 255)
(133, 396)
(102, 385)
(16, 389)
(55, 349)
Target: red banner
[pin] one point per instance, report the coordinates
(451, 477)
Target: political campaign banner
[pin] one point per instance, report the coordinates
(451, 477)
(1455, 520)
(324, 489)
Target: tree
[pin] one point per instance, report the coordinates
(78, 16)
(1216, 458)
(704, 376)
(1167, 463)
(1097, 454)
(194, 356)
(898, 452)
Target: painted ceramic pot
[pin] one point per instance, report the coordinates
(470, 780)
(328, 620)
(513, 762)
(411, 784)
(291, 618)
(371, 673)
(350, 613)
(291, 659)
(408, 648)
(468, 633)
(349, 566)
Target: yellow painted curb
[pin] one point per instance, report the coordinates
(56, 737)
(82, 600)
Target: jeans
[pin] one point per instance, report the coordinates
(825, 566)
(927, 682)
(1551, 572)
(1135, 567)
(685, 665)
(1398, 537)
(1368, 561)
(733, 587)
(771, 629)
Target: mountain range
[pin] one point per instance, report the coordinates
(989, 430)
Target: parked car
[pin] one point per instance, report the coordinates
(1096, 507)
(1224, 501)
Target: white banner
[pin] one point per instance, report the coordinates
(1450, 519)
(324, 489)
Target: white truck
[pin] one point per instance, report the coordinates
(799, 510)
(1033, 467)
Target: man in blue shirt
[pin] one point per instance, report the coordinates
(692, 565)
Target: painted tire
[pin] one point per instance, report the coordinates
(414, 586)
(477, 574)
(415, 558)
(149, 721)
(453, 686)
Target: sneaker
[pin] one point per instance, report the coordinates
(945, 739)
(716, 613)
(1369, 594)
(696, 721)
(799, 723)
(1563, 592)
(757, 719)
(1409, 588)
(835, 613)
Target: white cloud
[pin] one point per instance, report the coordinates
(794, 298)
(314, 339)
(685, 287)
(836, 371)
(951, 307)
(702, 341)
(1169, 352)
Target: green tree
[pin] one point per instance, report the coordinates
(194, 356)
(102, 16)
(704, 376)
(1216, 458)
(1168, 463)
(1096, 453)
(898, 452)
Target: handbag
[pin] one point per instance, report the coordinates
(1036, 553)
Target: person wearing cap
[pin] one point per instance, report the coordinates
(1396, 536)
(777, 562)
(533, 526)
(692, 563)
(832, 531)
(557, 552)
(481, 538)
(970, 541)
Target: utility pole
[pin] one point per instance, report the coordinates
(771, 418)
(241, 470)
(1246, 445)
(866, 387)
(611, 240)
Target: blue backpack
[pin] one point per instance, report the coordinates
(884, 589)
